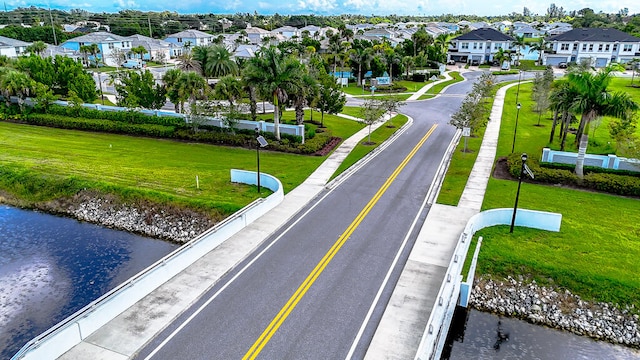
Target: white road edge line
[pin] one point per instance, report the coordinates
(366, 320)
(214, 296)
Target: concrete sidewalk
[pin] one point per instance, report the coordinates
(425, 88)
(125, 335)
(405, 318)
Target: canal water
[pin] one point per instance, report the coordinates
(480, 335)
(51, 267)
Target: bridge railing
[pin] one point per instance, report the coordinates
(71, 331)
(435, 334)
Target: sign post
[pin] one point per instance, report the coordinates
(466, 132)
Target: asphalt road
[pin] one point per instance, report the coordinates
(323, 320)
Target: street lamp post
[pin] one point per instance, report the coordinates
(515, 130)
(518, 89)
(258, 155)
(515, 207)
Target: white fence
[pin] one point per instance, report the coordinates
(296, 130)
(438, 325)
(604, 161)
(71, 331)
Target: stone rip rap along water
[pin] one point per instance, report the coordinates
(51, 267)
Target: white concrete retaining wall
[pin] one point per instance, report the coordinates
(71, 331)
(435, 333)
(610, 161)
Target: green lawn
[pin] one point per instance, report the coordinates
(377, 137)
(437, 88)
(340, 127)
(352, 111)
(594, 259)
(166, 169)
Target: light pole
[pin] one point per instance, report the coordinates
(515, 207)
(515, 130)
(258, 155)
(518, 89)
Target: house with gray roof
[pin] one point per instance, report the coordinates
(157, 50)
(601, 45)
(528, 32)
(478, 45)
(257, 34)
(108, 43)
(11, 47)
(187, 39)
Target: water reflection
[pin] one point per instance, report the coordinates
(51, 267)
(479, 335)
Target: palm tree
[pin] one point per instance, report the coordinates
(500, 56)
(540, 46)
(228, 88)
(16, 83)
(274, 74)
(188, 63)
(408, 62)
(219, 62)
(593, 100)
(363, 57)
(139, 50)
(94, 50)
(38, 48)
(335, 48)
(170, 80)
(391, 58)
(191, 86)
(562, 97)
(519, 43)
(85, 50)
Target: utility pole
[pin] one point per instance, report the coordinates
(55, 41)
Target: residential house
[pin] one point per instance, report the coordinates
(157, 50)
(528, 32)
(313, 31)
(601, 45)
(478, 45)
(245, 51)
(257, 35)
(503, 26)
(11, 47)
(53, 51)
(479, 25)
(187, 39)
(452, 28)
(380, 33)
(109, 45)
(287, 31)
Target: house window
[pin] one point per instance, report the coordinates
(575, 47)
(590, 47)
(464, 45)
(475, 46)
(111, 46)
(627, 47)
(615, 47)
(481, 46)
(564, 46)
(584, 47)
(179, 39)
(600, 47)
(81, 44)
(498, 46)
(607, 47)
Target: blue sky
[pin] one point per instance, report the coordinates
(334, 7)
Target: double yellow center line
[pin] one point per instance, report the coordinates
(266, 335)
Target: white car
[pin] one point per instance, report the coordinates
(133, 64)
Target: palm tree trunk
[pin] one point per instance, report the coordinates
(253, 106)
(360, 74)
(553, 126)
(276, 116)
(565, 129)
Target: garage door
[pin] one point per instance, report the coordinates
(554, 61)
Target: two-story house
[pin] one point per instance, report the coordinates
(187, 39)
(109, 45)
(257, 35)
(601, 46)
(157, 50)
(287, 31)
(479, 45)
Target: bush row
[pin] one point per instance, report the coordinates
(596, 180)
(132, 116)
(117, 127)
(213, 135)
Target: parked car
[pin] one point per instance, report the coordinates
(562, 65)
(451, 62)
(133, 64)
(475, 62)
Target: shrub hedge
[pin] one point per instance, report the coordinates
(208, 134)
(600, 179)
(132, 117)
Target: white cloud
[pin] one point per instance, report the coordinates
(317, 5)
(126, 4)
